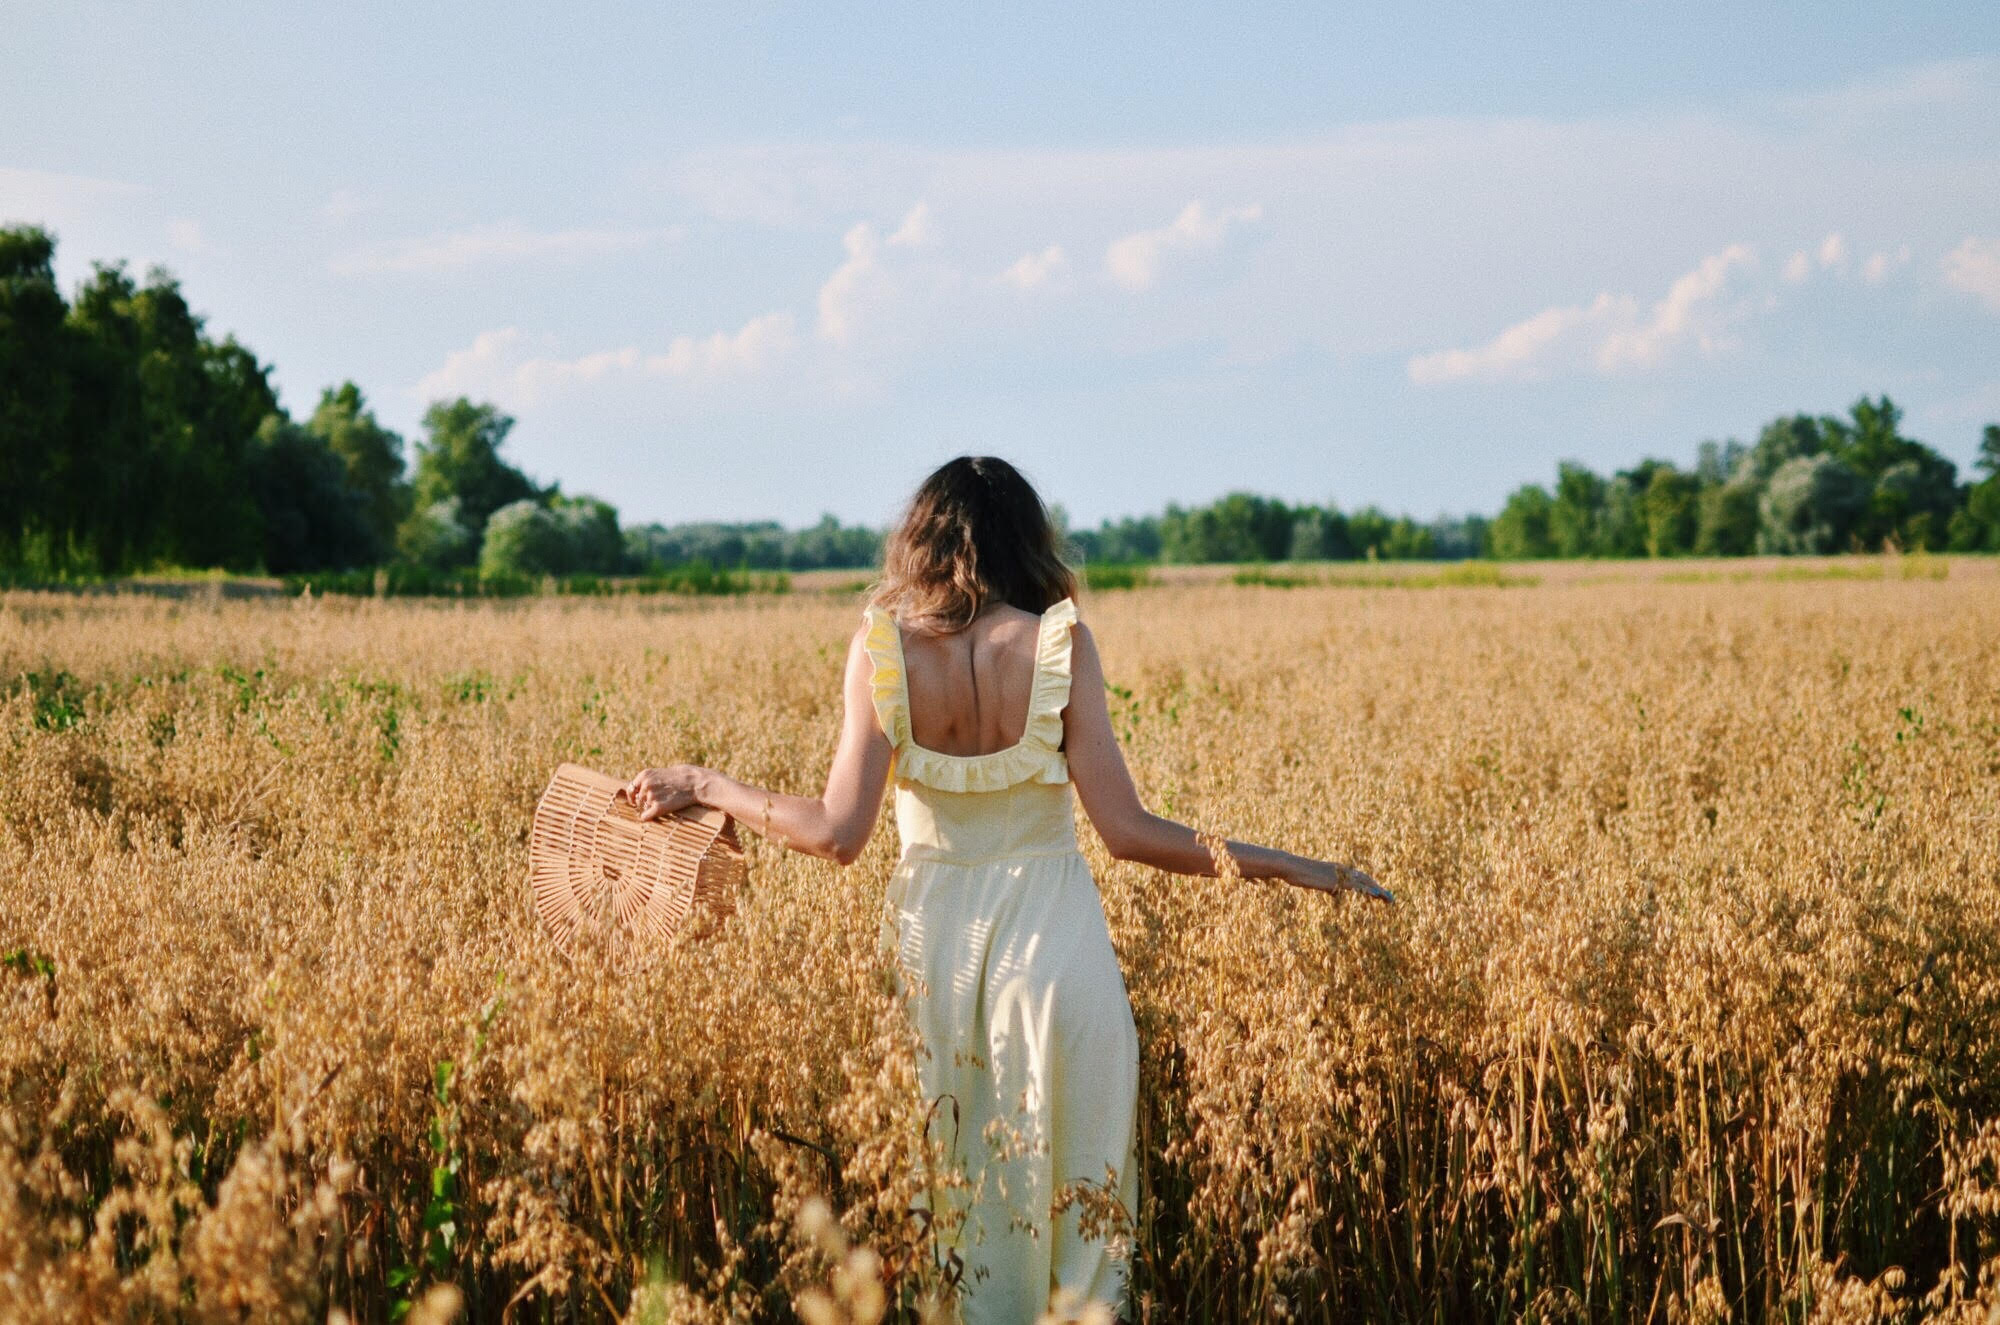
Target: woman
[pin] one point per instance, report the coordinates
(972, 680)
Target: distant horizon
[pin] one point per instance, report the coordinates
(734, 264)
(1432, 516)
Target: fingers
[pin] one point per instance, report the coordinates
(655, 802)
(1357, 881)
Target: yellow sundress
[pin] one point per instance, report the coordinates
(1015, 991)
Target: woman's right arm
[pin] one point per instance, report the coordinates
(1131, 832)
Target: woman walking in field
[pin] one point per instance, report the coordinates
(972, 681)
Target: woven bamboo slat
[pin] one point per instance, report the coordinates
(603, 879)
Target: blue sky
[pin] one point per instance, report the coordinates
(753, 260)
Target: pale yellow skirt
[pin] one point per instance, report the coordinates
(1032, 1062)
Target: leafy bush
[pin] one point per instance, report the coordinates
(1116, 575)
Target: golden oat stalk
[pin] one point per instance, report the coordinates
(602, 877)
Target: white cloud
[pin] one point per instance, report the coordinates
(1611, 334)
(1878, 266)
(1518, 351)
(505, 242)
(753, 346)
(480, 369)
(1133, 260)
(1832, 255)
(840, 295)
(186, 236)
(1032, 271)
(1686, 313)
(915, 231)
(1974, 268)
(504, 364)
(864, 282)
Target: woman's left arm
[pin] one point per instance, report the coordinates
(837, 823)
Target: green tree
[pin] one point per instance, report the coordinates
(1239, 527)
(1782, 439)
(1455, 538)
(203, 404)
(524, 538)
(1726, 518)
(312, 516)
(590, 535)
(1810, 505)
(560, 537)
(1377, 534)
(1621, 528)
(460, 460)
(103, 490)
(830, 543)
(1913, 491)
(1975, 526)
(161, 437)
(1913, 503)
(1870, 439)
(438, 537)
(1135, 538)
(373, 457)
(1521, 532)
(1670, 511)
(1577, 512)
(35, 403)
(1717, 462)
(1321, 534)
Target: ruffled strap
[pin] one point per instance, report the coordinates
(1050, 696)
(884, 643)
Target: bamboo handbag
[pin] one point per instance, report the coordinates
(603, 879)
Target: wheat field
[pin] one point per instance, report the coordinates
(1690, 1010)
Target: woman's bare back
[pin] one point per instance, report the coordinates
(969, 691)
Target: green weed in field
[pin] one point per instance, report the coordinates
(1117, 575)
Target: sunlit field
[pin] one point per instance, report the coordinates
(1690, 1010)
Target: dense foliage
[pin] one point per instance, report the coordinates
(1812, 485)
(1245, 527)
(1807, 485)
(131, 440)
(763, 545)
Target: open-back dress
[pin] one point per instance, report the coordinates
(1032, 1059)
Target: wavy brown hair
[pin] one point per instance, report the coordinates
(975, 533)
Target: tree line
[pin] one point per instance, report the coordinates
(130, 439)
(1808, 484)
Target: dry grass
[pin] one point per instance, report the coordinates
(1691, 1010)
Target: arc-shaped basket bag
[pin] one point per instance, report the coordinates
(605, 880)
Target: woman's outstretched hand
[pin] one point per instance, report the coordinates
(662, 791)
(1329, 877)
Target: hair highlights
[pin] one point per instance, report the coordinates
(976, 532)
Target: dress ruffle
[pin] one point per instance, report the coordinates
(1036, 757)
(885, 651)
